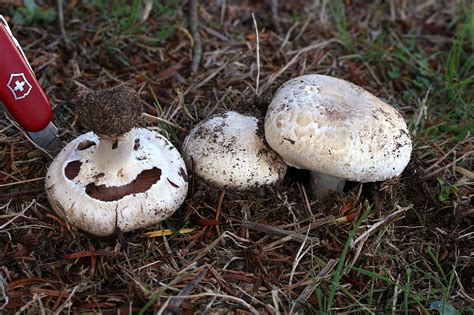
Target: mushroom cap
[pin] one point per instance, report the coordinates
(226, 150)
(149, 189)
(111, 112)
(334, 127)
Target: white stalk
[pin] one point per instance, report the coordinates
(114, 154)
(323, 185)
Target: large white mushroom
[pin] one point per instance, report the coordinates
(118, 175)
(338, 131)
(228, 151)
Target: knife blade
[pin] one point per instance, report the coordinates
(23, 96)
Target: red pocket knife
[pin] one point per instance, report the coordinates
(22, 95)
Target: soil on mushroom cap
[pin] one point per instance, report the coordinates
(257, 107)
(111, 112)
(229, 144)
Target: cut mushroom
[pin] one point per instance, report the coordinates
(124, 177)
(227, 151)
(338, 131)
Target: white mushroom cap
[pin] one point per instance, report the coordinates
(91, 190)
(334, 127)
(227, 151)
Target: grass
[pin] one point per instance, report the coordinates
(457, 82)
(340, 265)
(410, 298)
(418, 57)
(451, 85)
(338, 14)
(451, 97)
(124, 17)
(32, 14)
(442, 287)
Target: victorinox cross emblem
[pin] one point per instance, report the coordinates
(19, 85)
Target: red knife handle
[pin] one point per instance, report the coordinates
(20, 92)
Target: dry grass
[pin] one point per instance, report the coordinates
(391, 247)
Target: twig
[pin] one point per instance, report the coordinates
(277, 231)
(176, 301)
(218, 212)
(224, 296)
(323, 15)
(387, 220)
(152, 118)
(461, 289)
(362, 238)
(18, 215)
(287, 36)
(276, 301)
(299, 256)
(267, 306)
(208, 78)
(215, 33)
(219, 279)
(61, 23)
(146, 10)
(464, 172)
(21, 193)
(319, 45)
(275, 18)
(196, 37)
(258, 54)
(312, 286)
(68, 300)
(314, 222)
(448, 165)
(306, 200)
(303, 28)
(393, 12)
(395, 295)
(82, 88)
(205, 251)
(453, 149)
(3, 286)
(169, 286)
(170, 252)
(223, 8)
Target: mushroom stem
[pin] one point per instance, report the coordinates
(113, 154)
(323, 185)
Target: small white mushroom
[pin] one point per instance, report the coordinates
(338, 131)
(127, 180)
(226, 150)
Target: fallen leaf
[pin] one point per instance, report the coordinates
(165, 232)
(88, 253)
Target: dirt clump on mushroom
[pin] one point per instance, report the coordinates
(111, 112)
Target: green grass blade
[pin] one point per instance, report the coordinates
(338, 273)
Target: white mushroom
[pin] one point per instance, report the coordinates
(338, 131)
(127, 181)
(226, 150)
